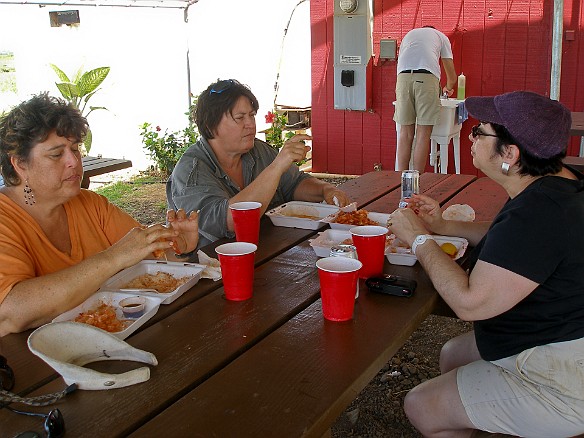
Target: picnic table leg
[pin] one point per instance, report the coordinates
(85, 182)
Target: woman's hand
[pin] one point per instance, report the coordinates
(293, 151)
(428, 210)
(140, 243)
(406, 225)
(187, 229)
(335, 196)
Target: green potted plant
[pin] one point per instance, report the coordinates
(275, 134)
(166, 148)
(79, 89)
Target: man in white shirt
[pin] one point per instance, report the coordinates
(418, 91)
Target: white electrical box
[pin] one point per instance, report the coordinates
(353, 49)
(387, 49)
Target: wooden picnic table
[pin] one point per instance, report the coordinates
(575, 162)
(94, 166)
(268, 366)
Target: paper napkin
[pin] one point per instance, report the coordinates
(212, 267)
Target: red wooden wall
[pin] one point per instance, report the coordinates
(500, 46)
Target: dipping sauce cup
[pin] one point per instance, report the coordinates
(246, 220)
(237, 268)
(133, 307)
(370, 243)
(338, 280)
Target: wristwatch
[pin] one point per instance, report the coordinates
(420, 240)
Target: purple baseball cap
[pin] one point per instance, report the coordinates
(541, 125)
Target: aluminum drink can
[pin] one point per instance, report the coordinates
(348, 251)
(410, 185)
(343, 250)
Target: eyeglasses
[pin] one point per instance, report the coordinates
(221, 86)
(54, 421)
(476, 131)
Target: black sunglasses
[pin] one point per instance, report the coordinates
(476, 131)
(54, 421)
(221, 86)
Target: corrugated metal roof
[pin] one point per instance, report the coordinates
(168, 4)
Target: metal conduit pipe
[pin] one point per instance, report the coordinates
(556, 68)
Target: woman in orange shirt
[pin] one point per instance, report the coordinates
(58, 242)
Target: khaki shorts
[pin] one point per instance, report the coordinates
(537, 393)
(417, 98)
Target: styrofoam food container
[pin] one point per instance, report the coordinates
(380, 218)
(300, 214)
(151, 306)
(327, 239)
(403, 256)
(176, 269)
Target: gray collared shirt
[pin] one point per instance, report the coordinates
(199, 183)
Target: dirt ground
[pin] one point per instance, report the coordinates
(378, 410)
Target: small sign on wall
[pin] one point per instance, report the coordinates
(69, 18)
(349, 59)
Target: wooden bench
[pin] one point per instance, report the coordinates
(94, 166)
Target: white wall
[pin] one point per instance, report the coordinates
(146, 50)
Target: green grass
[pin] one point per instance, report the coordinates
(143, 197)
(116, 192)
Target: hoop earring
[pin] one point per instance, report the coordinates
(28, 194)
(505, 168)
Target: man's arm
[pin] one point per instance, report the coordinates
(451, 78)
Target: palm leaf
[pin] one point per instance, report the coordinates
(92, 79)
(87, 141)
(93, 108)
(69, 91)
(62, 76)
(78, 75)
(88, 96)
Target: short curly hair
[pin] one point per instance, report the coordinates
(218, 99)
(30, 123)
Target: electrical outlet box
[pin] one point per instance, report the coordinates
(387, 49)
(570, 35)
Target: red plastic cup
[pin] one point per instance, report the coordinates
(246, 220)
(338, 281)
(237, 268)
(370, 243)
